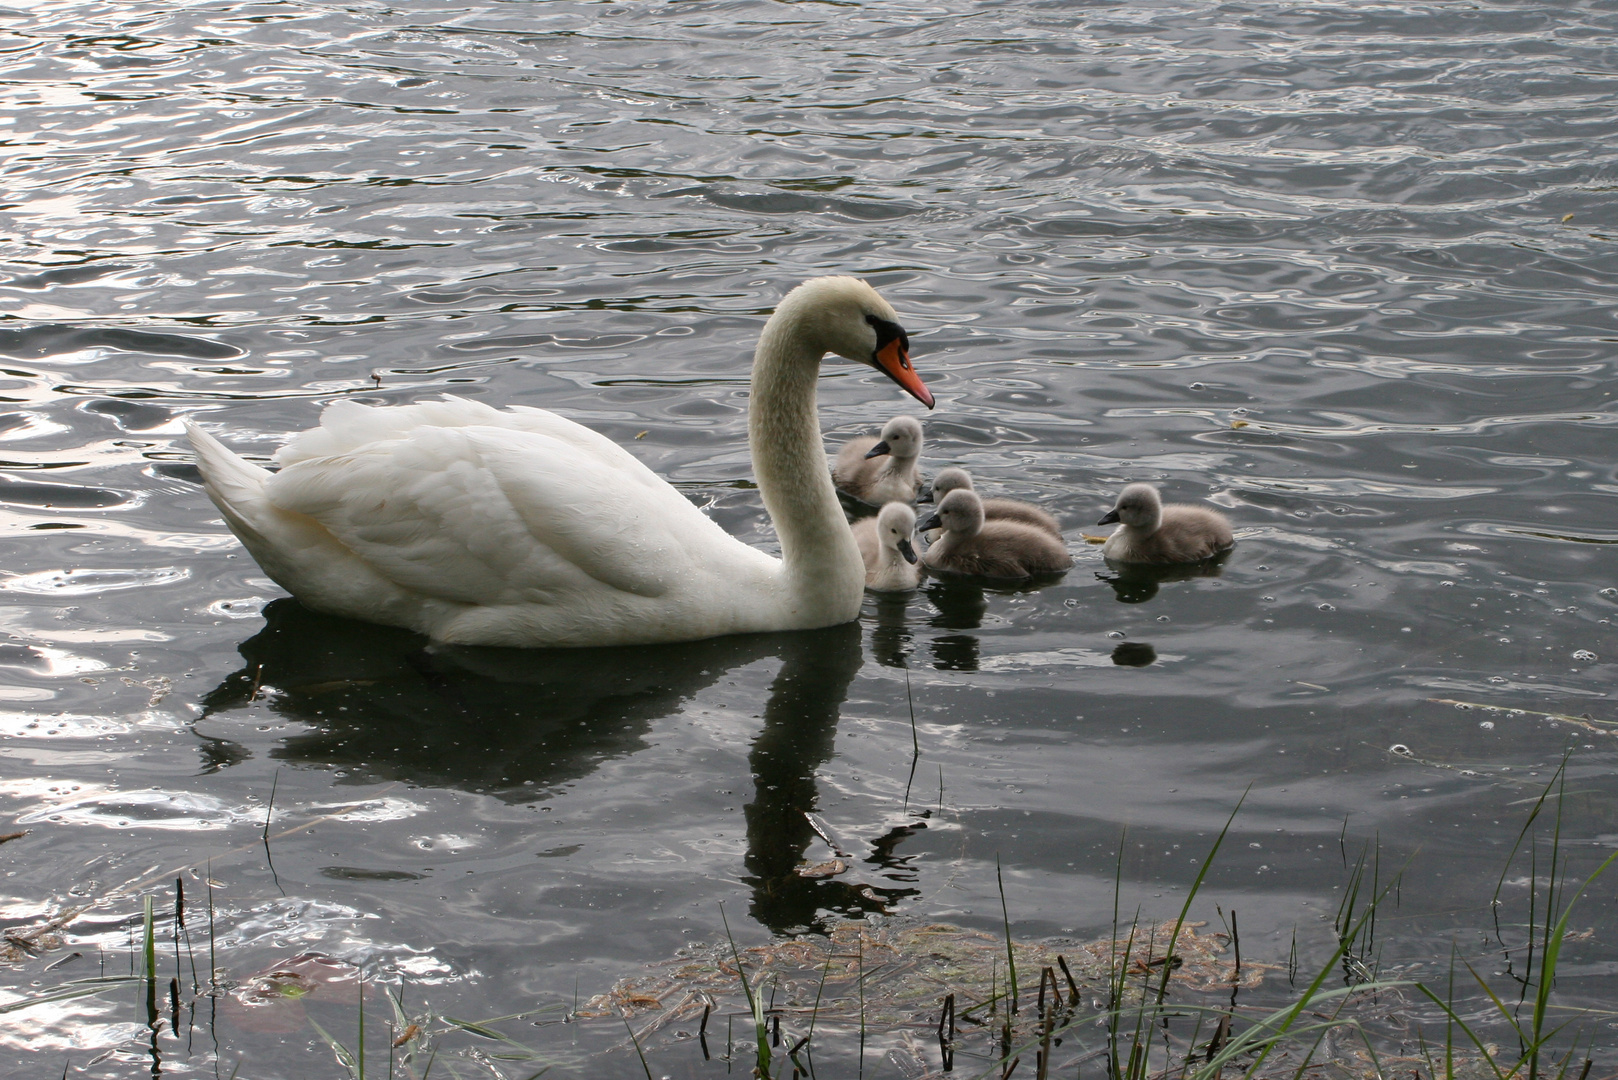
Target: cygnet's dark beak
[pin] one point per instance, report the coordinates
(907, 549)
(926, 496)
(933, 522)
(878, 450)
(1110, 519)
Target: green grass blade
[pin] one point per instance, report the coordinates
(1011, 959)
(1454, 1018)
(761, 1034)
(1185, 909)
(149, 945)
(1553, 950)
(344, 1056)
(638, 1052)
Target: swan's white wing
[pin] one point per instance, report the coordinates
(499, 515)
(346, 426)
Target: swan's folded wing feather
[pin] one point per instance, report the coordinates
(492, 516)
(347, 426)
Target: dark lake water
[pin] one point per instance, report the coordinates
(1346, 270)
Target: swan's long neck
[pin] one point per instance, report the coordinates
(822, 561)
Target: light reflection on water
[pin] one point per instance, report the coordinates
(1313, 264)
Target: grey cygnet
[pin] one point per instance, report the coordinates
(886, 547)
(880, 471)
(1153, 533)
(1007, 550)
(954, 479)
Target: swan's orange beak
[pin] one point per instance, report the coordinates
(893, 360)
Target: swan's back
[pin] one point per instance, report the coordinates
(483, 525)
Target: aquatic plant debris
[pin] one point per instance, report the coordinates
(1585, 721)
(908, 969)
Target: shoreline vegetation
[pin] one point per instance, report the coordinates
(885, 995)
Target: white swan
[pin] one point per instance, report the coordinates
(886, 547)
(1153, 533)
(519, 527)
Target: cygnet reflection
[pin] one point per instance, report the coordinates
(1136, 583)
(518, 725)
(891, 635)
(1133, 654)
(960, 605)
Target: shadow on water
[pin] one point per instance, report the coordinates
(891, 635)
(1134, 654)
(1136, 583)
(960, 605)
(800, 724)
(381, 704)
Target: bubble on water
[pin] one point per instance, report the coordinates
(1486, 725)
(1116, 635)
(1268, 599)
(1610, 593)
(1584, 654)
(1327, 607)
(1461, 705)
(1468, 772)
(1198, 386)
(1497, 678)
(1399, 748)
(1162, 618)
(1447, 584)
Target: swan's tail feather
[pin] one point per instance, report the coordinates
(235, 484)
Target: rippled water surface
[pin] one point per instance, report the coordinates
(1344, 269)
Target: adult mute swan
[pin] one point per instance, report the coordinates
(481, 526)
(1154, 533)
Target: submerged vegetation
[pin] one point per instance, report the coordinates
(1152, 999)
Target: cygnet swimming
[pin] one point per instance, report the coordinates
(954, 479)
(880, 471)
(890, 557)
(1002, 549)
(1153, 533)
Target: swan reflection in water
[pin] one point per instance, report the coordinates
(518, 724)
(1136, 583)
